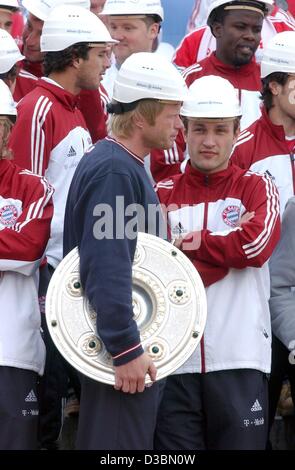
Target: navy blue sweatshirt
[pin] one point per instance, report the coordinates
(109, 176)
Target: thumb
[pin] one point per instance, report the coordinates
(152, 371)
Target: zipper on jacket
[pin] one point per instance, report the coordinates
(205, 223)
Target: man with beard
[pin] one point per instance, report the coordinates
(237, 28)
(200, 42)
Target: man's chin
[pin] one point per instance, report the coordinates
(242, 60)
(166, 145)
(32, 57)
(121, 56)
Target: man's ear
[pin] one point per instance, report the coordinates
(236, 135)
(76, 62)
(275, 88)
(216, 29)
(138, 120)
(154, 30)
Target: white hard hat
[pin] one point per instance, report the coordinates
(268, 5)
(279, 54)
(146, 75)
(7, 105)
(42, 8)
(10, 4)
(9, 52)
(133, 7)
(211, 97)
(67, 25)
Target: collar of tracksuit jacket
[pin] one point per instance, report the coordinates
(68, 100)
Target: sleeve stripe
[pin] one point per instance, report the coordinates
(25, 74)
(48, 193)
(126, 352)
(33, 131)
(36, 209)
(243, 134)
(171, 155)
(165, 185)
(166, 155)
(176, 152)
(254, 248)
(105, 98)
(191, 69)
(41, 109)
(183, 165)
(250, 247)
(42, 145)
(243, 140)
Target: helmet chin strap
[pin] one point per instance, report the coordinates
(121, 108)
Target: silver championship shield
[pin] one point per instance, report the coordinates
(169, 305)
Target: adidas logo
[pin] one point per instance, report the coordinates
(178, 229)
(31, 396)
(268, 173)
(72, 152)
(256, 406)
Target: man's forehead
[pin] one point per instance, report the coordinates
(213, 122)
(126, 18)
(34, 19)
(244, 16)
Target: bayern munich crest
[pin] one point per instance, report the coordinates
(8, 215)
(231, 215)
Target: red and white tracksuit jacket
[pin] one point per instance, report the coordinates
(246, 79)
(231, 260)
(25, 213)
(49, 138)
(199, 44)
(92, 103)
(27, 79)
(263, 148)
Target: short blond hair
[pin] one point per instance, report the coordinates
(122, 125)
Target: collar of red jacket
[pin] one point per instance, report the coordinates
(197, 178)
(67, 99)
(270, 128)
(35, 68)
(243, 70)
